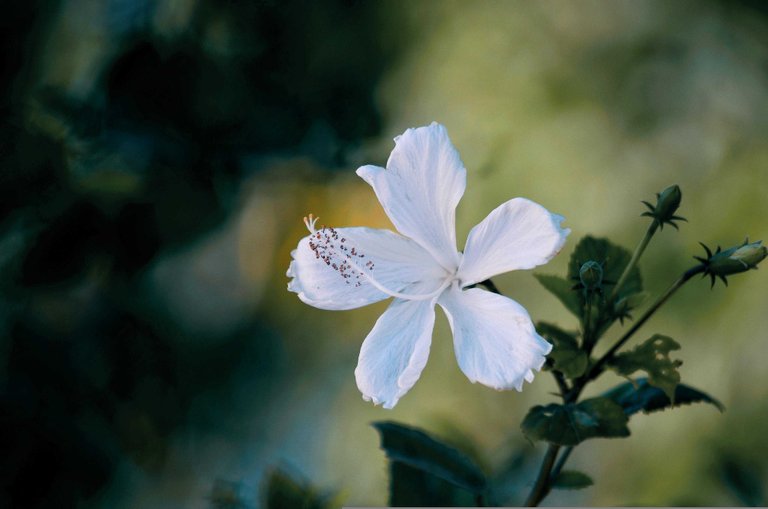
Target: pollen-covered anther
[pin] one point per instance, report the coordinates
(337, 253)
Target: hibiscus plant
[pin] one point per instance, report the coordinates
(495, 340)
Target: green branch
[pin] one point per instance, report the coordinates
(635, 257)
(596, 368)
(541, 486)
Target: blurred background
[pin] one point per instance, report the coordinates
(156, 159)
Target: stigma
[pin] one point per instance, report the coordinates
(309, 222)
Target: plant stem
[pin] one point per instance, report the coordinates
(562, 385)
(561, 462)
(598, 366)
(635, 257)
(541, 486)
(556, 471)
(588, 341)
(549, 470)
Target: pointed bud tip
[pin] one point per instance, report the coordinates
(667, 203)
(734, 260)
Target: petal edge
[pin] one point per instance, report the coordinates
(420, 189)
(395, 352)
(518, 234)
(494, 339)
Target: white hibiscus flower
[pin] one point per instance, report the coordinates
(345, 268)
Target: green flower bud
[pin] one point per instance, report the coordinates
(667, 203)
(751, 253)
(733, 260)
(623, 306)
(591, 275)
(737, 259)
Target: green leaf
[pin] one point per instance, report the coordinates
(571, 424)
(412, 487)
(284, 492)
(420, 451)
(639, 396)
(226, 495)
(613, 259)
(743, 478)
(572, 480)
(652, 356)
(566, 356)
(563, 290)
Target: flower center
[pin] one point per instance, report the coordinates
(340, 255)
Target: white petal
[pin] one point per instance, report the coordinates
(323, 279)
(494, 338)
(518, 234)
(395, 352)
(419, 190)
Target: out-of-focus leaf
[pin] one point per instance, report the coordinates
(572, 480)
(566, 356)
(640, 395)
(652, 356)
(420, 451)
(453, 434)
(284, 492)
(563, 290)
(743, 480)
(413, 487)
(226, 495)
(571, 424)
(67, 246)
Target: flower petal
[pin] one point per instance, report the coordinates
(494, 338)
(324, 278)
(420, 188)
(518, 234)
(395, 352)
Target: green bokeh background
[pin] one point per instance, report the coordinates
(156, 159)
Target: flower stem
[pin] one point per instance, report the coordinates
(552, 475)
(561, 462)
(562, 385)
(588, 340)
(541, 486)
(635, 257)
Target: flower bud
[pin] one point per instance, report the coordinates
(623, 306)
(733, 260)
(591, 275)
(751, 253)
(737, 259)
(667, 203)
